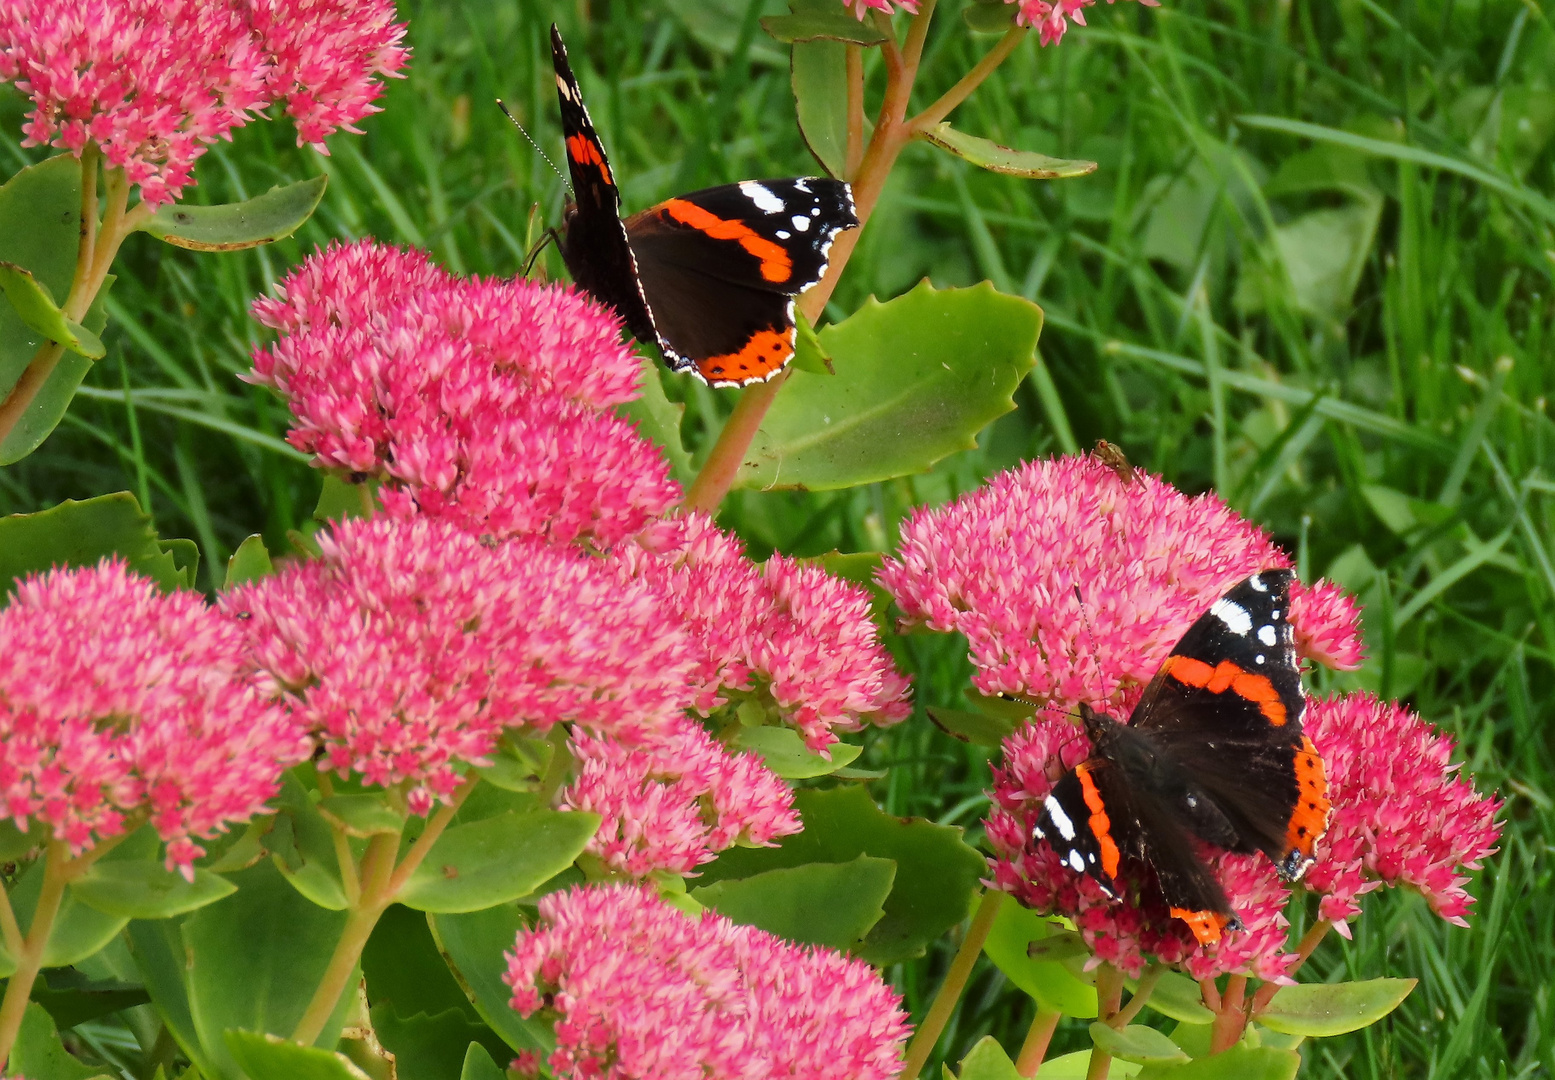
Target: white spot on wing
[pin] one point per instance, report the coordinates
(1259, 658)
(782, 234)
(1076, 863)
(1060, 819)
(1256, 582)
(803, 185)
(1236, 618)
(801, 223)
(1266, 635)
(765, 201)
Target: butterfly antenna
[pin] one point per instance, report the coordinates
(530, 139)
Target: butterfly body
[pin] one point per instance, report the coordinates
(1214, 752)
(710, 276)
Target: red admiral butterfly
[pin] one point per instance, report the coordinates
(1214, 749)
(711, 276)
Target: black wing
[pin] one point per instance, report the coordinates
(1227, 706)
(1096, 822)
(594, 244)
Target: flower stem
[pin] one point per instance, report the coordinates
(57, 873)
(1038, 1036)
(1230, 1020)
(1109, 994)
(971, 80)
(1309, 941)
(944, 1003)
(1141, 995)
(855, 151)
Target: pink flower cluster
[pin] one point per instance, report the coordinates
(641, 989)
(480, 402)
(118, 701)
(1052, 17)
(1073, 585)
(153, 82)
(1125, 934)
(408, 647)
(785, 629)
(1402, 815)
(675, 801)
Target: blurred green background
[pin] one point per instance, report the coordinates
(1343, 327)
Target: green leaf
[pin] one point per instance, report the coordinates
(1075, 1066)
(937, 874)
(14, 843)
(1137, 1043)
(1179, 997)
(82, 534)
(429, 1047)
(484, 863)
(808, 352)
(252, 961)
(147, 890)
(518, 764)
(31, 299)
(831, 904)
(40, 229)
(263, 219)
(1323, 252)
(78, 1004)
(39, 1054)
(158, 951)
(360, 815)
(995, 18)
(1241, 1062)
(818, 74)
(1015, 929)
(473, 945)
(303, 846)
(402, 965)
(658, 420)
(917, 378)
(977, 728)
(479, 1065)
(987, 154)
(250, 562)
(342, 500)
(1317, 1009)
(821, 20)
(53, 399)
(270, 1057)
(786, 754)
(988, 1061)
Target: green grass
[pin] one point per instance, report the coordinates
(1342, 328)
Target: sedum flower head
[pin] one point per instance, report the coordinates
(1050, 17)
(1402, 814)
(408, 647)
(1073, 585)
(117, 700)
(676, 800)
(479, 402)
(640, 989)
(783, 629)
(154, 83)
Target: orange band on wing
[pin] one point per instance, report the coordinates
(585, 151)
(776, 266)
(762, 356)
(1228, 676)
(1101, 824)
(1206, 925)
(1309, 821)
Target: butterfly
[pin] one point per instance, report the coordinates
(710, 276)
(1214, 750)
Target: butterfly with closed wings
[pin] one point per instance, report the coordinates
(1214, 750)
(710, 276)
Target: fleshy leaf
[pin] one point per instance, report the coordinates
(917, 378)
(250, 562)
(263, 219)
(785, 752)
(1074, 1067)
(987, 154)
(479, 1065)
(1137, 1043)
(270, 1057)
(937, 874)
(428, 1045)
(82, 534)
(819, 76)
(1241, 1062)
(40, 1055)
(985, 17)
(147, 890)
(658, 420)
(977, 728)
(1179, 997)
(360, 815)
(831, 904)
(1317, 1009)
(300, 841)
(808, 352)
(1046, 980)
(821, 20)
(485, 863)
(473, 944)
(53, 398)
(402, 965)
(33, 302)
(988, 1061)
